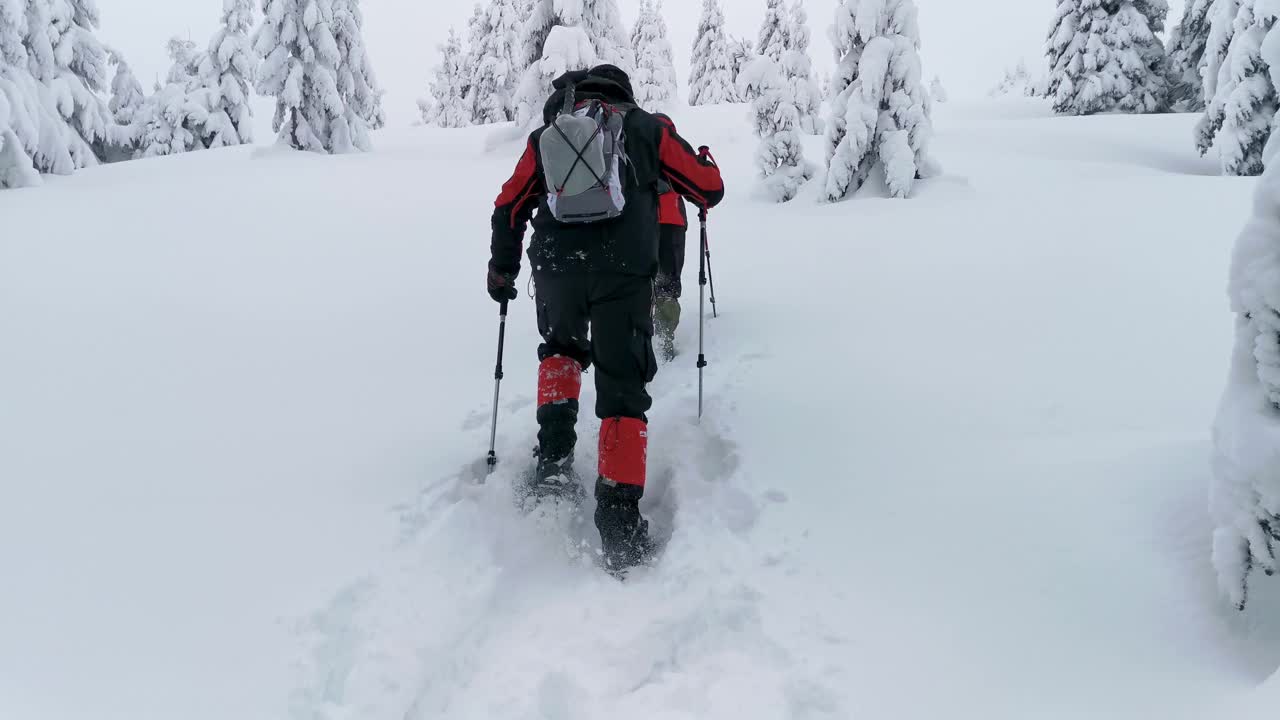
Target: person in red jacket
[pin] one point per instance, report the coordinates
(673, 227)
(594, 297)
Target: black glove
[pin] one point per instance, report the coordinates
(502, 285)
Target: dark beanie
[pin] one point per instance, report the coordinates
(615, 74)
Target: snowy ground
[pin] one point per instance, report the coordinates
(954, 463)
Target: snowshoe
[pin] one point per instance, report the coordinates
(552, 480)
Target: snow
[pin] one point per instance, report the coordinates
(954, 463)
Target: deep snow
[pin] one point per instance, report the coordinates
(954, 464)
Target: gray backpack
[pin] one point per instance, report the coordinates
(583, 155)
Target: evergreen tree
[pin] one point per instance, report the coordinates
(1240, 86)
(448, 105)
(1105, 57)
(69, 67)
(936, 90)
(128, 107)
(18, 128)
(780, 157)
(1016, 81)
(880, 115)
(173, 118)
(655, 78)
(1244, 497)
(711, 80)
(357, 82)
(185, 59)
(477, 29)
(126, 92)
(226, 72)
(1222, 17)
(496, 66)
(302, 63)
(562, 35)
(1187, 44)
(741, 52)
(797, 69)
(602, 22)
(774, 39)
(16, 167)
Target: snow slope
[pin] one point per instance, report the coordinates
(954, 463)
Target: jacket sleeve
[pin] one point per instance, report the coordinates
(696, 178)
(513, 209)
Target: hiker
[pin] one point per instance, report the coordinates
(673, 224)
(594, 173)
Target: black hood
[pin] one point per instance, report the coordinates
(603, 82)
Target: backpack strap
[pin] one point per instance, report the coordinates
(580, 159)
(570, 99)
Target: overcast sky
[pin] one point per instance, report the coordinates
(966, 42)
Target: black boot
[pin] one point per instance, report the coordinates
(554, 480)
(624, 534)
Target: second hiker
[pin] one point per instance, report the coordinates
(673, 224)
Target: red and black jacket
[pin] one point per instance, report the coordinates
(659, 158)
(671, 210)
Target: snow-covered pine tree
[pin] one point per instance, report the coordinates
(655, 76)
(69, 66)
(797, 68)
(1186, 49)
(1222, 19)
(880, 114)
(603, 23)
(448, 106)
(780, 156)
(741, 52)
(477, 29)
(16, 167)
(226, 73)
(548, 53)
(711, 79)
(357, 83)
(126, 92)
(173, 118)
(1240, 85)
(1244, 501)
(936, 89)
(301, 65)
(184, 67)
(775, 30)
(1016, 81)
(1105, 57)
(494, 61)
(17, 126)
(128, 107)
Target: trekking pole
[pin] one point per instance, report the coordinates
(497, 388)
(711, 277)
(702, 305)
(705, 152)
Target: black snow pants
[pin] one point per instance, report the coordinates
(600, 320)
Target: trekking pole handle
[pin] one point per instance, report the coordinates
(704, 153)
